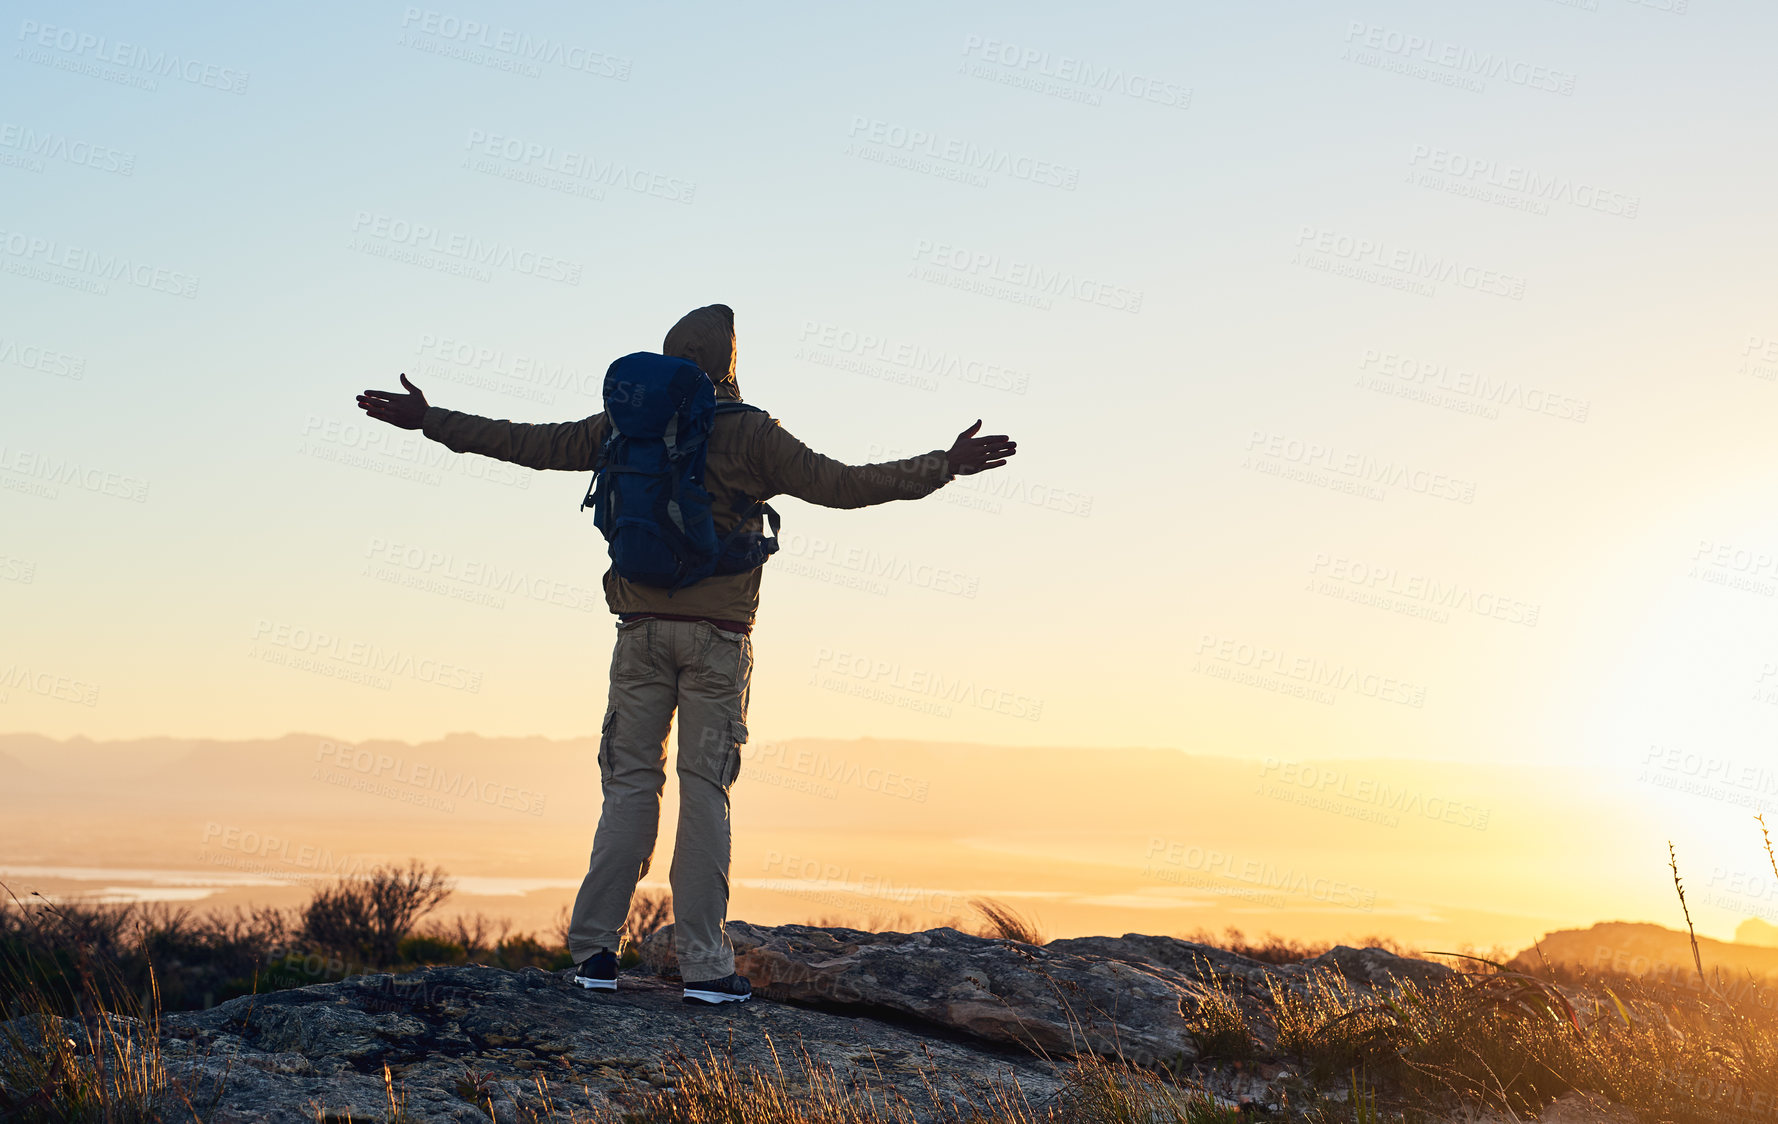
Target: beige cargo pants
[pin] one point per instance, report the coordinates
(702, 671)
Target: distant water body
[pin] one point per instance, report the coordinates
(125, 884)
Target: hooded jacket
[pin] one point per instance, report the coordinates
(750, 457)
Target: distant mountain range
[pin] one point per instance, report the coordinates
(857, 784)
(1101, 840)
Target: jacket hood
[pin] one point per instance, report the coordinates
(706, 336)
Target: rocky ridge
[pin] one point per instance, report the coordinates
(931, 1018)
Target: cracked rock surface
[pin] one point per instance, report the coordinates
(1131, 997)
(933, 1017)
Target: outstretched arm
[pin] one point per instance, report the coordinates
(790, 467)
(565, 445)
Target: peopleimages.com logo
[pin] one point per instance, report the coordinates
(30, 148)
(874, 138)
(1029, 282)
(466, 249)
(503, 48)
(400, 778)
(874, 353)
(520, 158)
(1177, 861)
(1318, 245)
(28, 466)
(1531, 185)
(50, 685)
(364, 655)
(83, 52)
(1065, 76)
(1429, 57)
(926, 683)
(20, 252)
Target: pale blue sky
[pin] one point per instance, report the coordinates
(236, 405)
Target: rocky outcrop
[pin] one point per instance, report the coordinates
(1135, 997)
(456, 1040)
(927, 1019)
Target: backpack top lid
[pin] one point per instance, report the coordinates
(646, 394)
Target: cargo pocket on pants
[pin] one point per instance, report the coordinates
(605, 746)
(737, 737)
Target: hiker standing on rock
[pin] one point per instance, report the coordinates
(684, 470)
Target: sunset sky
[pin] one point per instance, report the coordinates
(1390, 380)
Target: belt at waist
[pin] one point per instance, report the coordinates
(726, 626)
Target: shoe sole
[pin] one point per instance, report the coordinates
(714, 998)
(596, 985)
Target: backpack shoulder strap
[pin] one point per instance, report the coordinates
(745, 506)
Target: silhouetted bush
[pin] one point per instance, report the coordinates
(425, 949)
(369, 916)
(650, 911)
(62, 955)
(56, 951)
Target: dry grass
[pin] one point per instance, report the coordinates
(1513, 1043)
(83, 1043)
(1274, 949)
(77, 1048)
(1490, 1039)
(99, 1068)
(1095, 1091)
(1220, 1027)
(873, 921)
(1004, 922)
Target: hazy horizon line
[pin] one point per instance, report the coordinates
(592, 735)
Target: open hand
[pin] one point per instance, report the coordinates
(404, 410)
(972, 454)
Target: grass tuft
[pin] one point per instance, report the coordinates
(1006, 923)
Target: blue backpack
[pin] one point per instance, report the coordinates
(648, 496)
